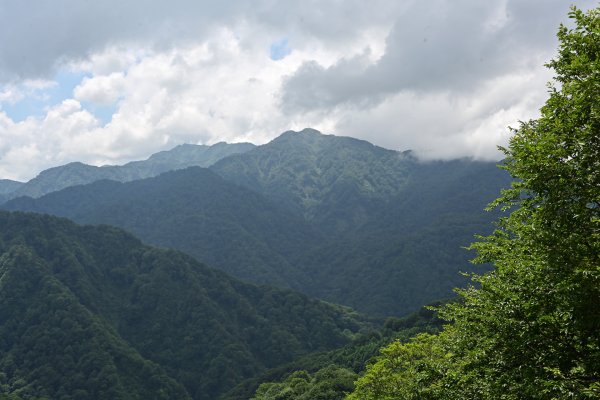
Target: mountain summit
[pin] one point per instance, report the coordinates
(316, 175)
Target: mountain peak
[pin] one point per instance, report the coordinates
(310, 131)
(304, 133)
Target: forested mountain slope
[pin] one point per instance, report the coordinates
(328, 375)
(196, 211)
(337, 182)
(412, 250)
(530, 327)
(334, 217)
(91, 311)
(395, 225)
(77, 173)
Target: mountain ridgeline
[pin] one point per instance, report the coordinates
(91, 312)
(77, 173)
(8, 186)
(196, 211)
(337, 218)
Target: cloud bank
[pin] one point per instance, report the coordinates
(108, 82)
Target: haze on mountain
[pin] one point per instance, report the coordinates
(93, 312)
(8, 186)
(334, 217)
(76, 173)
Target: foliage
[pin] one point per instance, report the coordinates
(350, 359)
(529, 329)
(90, 310)
(196, 211)
(404, 371)
(330, 383)
(53, 347)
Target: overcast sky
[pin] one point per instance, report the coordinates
(105, 82)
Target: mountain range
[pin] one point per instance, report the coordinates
(196, 211)
(334, 217)
(76, 173)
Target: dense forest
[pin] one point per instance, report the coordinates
(195, 211)
(93, 312)
(529, 327)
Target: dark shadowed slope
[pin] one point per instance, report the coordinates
(196, 211)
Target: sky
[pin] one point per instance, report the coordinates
(106, 82)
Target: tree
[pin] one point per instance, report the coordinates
(329, 383)
(531, 327)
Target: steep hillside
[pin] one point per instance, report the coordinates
(7, 186)
(396, 227)
(92, 311)
(54, 347)
(412, 251)
(332, 369)
(196, 211)
(337, 182)
(76, 173)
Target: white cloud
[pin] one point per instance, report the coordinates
(10, 94)
(215, 90)
(102, 89)
(43, 142)
(435, 46)
(446, 125)
(33, 88)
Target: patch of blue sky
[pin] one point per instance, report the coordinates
(103, 113)
(37, 99)
(26, 107)
(280, 49)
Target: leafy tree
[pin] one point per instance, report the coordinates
(530, 328)
(329, 383)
